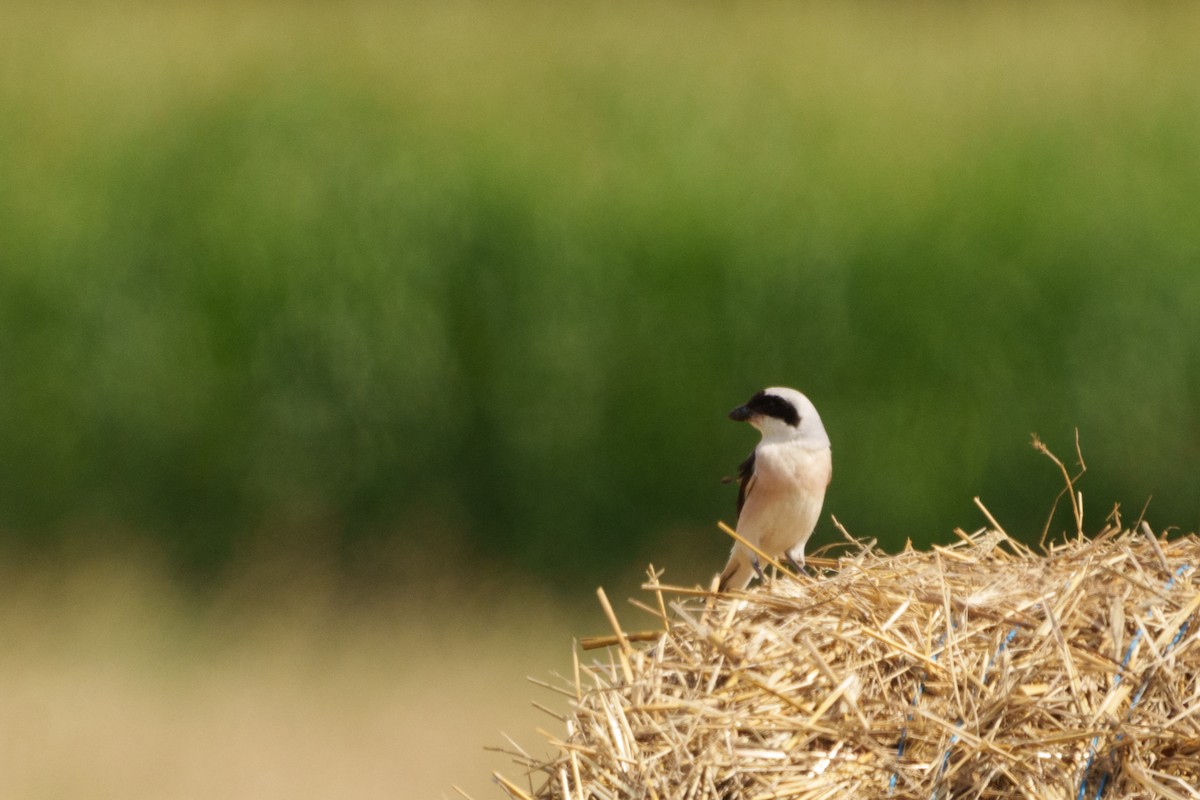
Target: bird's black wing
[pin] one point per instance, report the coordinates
(745, 481)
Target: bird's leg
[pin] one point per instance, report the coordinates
(757, 567)
(796, 565)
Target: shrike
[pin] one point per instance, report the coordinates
(781, 486)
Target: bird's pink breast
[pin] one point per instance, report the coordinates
(786, 500)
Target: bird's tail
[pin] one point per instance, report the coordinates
(738, 571)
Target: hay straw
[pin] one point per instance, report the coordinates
(976, 670)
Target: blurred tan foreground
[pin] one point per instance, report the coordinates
(114, 684)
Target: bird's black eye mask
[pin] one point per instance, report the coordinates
(770, 405)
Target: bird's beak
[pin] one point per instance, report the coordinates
(740, 414)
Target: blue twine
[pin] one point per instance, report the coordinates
(1133, 641)
(1004, 643)
(904, 732)
(1012, 634)
(946, 755)
(904, 736)
(1092, 750)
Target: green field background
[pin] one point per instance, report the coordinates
(404, 291)
(493, 274)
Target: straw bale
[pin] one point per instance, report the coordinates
(978, 670)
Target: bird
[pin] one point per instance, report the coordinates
(781, 486)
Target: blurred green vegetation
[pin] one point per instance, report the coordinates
(491, 274)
